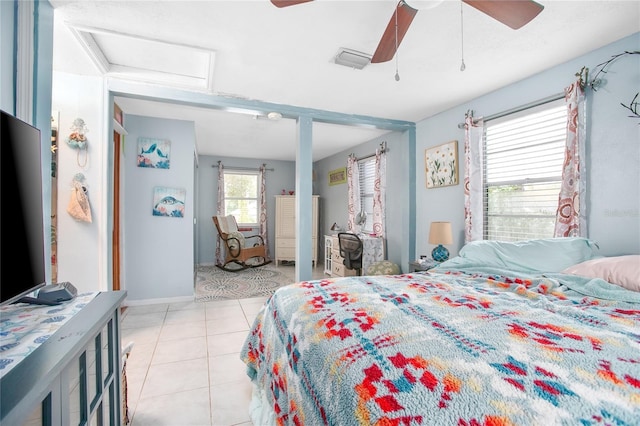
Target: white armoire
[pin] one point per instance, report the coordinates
(286, 228)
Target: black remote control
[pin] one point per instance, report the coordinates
(35, 301)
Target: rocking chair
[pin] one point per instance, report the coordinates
(237, 251)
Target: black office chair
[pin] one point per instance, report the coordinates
(351, 250)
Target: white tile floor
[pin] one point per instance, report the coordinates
(185, 366)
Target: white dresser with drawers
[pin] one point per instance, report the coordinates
(286, 228)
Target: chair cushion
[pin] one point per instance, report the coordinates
(227, 224)
(383, 267)
(233, 243)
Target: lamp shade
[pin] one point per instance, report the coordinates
(440, 233)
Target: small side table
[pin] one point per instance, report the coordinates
(422, 265)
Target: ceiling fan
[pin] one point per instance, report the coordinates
(513, 13)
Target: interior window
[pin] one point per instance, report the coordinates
(367, 179)
(241, 189)
(524, 154)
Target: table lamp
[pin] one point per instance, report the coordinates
(440, 233)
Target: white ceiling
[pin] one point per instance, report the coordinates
(255, 51)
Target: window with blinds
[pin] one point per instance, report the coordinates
(366, 169)
(524, 154)
(241, 191)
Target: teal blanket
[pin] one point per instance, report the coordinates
(445, 348)
(572, 285)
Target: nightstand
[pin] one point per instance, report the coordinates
(422, 265)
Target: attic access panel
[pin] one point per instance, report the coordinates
(132, 57)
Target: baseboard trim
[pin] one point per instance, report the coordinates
(143, 302)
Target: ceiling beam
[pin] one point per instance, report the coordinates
(246, 106)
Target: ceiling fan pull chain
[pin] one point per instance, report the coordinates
(396, 14)
(462, 65)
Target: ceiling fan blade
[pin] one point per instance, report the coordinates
(285, 3)
(513, 13)
(387, 47)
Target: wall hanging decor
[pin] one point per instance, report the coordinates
(441, 165)
(599, 80)
(168, 201)
(153, 153)
(78, 140)
(338, 176)
(79, 207)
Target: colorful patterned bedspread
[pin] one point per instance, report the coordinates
(445, 349)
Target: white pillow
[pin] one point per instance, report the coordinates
(620, 270)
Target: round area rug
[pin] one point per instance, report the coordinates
(212, 283)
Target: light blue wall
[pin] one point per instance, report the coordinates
(282, 177)
(42, 82)
(613, 150)
(7, 56)
(41, 70)
(158, 251)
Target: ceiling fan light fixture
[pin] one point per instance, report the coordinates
(352, 58)
(423, 4)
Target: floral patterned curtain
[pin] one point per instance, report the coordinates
(570, 216)
(263, 207)
(353, 184)
(220, 211)
(473, 206)
(379, 189)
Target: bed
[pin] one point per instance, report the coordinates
(530, 333)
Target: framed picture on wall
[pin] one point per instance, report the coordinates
(169, 201)
(154, 153)
(441, 165)
(338, 176)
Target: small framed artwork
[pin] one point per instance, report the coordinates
(338, 176)
(153, 153)
(168, 201)
(441, 165)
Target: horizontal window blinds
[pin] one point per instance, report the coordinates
(367, 176)
(524, 153)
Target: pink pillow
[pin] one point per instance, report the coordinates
(620, 270)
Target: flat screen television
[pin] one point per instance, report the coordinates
(22, 246)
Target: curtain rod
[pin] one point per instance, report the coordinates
(520, 108)
(383, 149)
(257, 169)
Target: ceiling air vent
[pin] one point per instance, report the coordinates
(352, 58)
